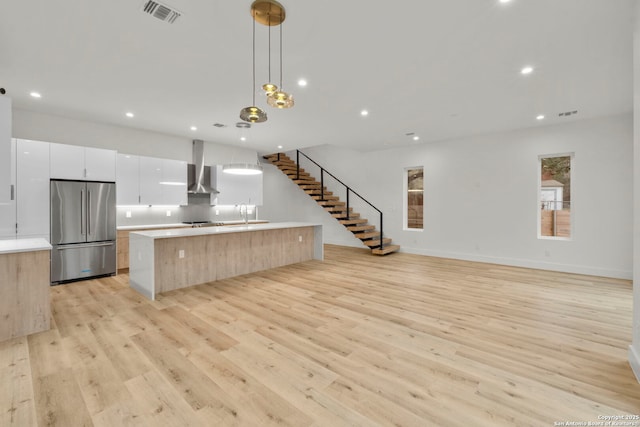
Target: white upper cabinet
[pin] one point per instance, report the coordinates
(5, 149)
(236, 189)
(8, 209)
(151, 181)
(32, 183)
(82, 163)
(128, 180)
(174, 182)
(150, 178)
(100, 164)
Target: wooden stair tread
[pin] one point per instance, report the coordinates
(353, 221)
(357, 228)
(333, 202)
(352, 215)
(336, 209)
(318, 198)
(385, 250)
(376, 242)
(369, 235)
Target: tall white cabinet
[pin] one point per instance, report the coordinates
(8, 209)
(5, 149)
(27, 215)
(32, 183)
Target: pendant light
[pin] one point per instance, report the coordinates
(280, 98)
(271, 13)
(269, 88)
(253, 114)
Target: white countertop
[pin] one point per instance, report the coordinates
(23, 245)
(203, 231)
(182, 225)
(148, 226)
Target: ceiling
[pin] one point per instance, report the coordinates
(439, 69)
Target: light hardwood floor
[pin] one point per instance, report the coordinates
(356, 340)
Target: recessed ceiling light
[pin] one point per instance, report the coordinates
(194, 128)
(35, 94)
(302, 82)
(364, 113)
(279, 147)
(129, 114)
(416, 137)
(540, 117)
(242, 138)
(505, 1)
(527, 70)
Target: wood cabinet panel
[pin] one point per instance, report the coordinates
(24, 293)
(218, 256)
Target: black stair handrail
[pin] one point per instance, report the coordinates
(349, 189)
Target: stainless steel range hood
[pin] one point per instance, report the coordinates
(199, 175)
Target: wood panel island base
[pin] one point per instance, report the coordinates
(165, 260)
(25, 302)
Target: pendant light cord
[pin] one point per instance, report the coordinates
(269, 46)
(281, 56)
(253, 87)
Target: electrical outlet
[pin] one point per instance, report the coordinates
(181, 253)
(127, 214)
(168, 213)
(249, 211)
(217, 212)
(299, 238)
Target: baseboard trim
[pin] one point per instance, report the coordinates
(516, 262)
(634, 361)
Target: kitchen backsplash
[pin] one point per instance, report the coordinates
(152, 215)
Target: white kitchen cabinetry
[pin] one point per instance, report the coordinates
(174, 182)
(100, 164)
(32, 183)
(151, 181)
(128, 180)
(150, 177)
(236, 189)
(5, 149)
(82, 163)
(8, 208)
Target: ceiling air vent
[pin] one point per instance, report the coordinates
(568, 113)
(219, 125)
(161, 11)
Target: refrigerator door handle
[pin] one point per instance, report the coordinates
(89, 215)
(82, 212)
(83, 245)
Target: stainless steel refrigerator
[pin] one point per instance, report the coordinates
(83, 230)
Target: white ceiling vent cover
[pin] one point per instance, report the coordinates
(161, 11)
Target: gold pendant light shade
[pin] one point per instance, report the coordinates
(268, 12)
(253, 115)
(280, 100)
(269, 89)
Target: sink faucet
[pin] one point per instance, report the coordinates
(245, 216)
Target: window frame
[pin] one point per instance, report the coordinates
(405, 199)
(572, 163)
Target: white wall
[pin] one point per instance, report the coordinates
(481, 196)
(634, 348)
(50, 128)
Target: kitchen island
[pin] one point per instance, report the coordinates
(164, 260)
(24, 287)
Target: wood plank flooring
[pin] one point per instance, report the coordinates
(355, 340)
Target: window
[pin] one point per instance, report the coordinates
(554, 219)
(414, 198)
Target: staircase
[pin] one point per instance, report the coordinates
(331, 203)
